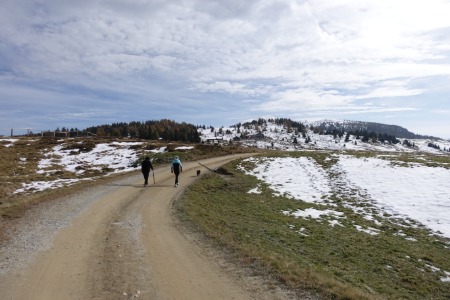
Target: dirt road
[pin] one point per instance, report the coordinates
(120, 243)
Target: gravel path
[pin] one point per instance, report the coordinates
(119, 241)
(36, 230)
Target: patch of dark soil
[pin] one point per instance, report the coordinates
(224, 171)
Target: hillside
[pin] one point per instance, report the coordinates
(352, 225)
(285, 134)
(353, 126)
(168, 130)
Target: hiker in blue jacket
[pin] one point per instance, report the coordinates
(176, 168)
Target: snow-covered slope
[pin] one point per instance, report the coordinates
(272, 136)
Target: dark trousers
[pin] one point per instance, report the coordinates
(146, 174)
(176, 177)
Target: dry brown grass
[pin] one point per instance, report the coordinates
(19, 164)
(19, 161)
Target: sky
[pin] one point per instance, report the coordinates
(83, 63)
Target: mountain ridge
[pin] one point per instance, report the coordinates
(380, 128)
(286, 134)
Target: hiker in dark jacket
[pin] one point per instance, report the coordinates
(146, 166)
(176, 168)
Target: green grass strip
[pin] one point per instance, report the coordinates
(340, 262)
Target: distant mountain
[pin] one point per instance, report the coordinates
(328, 126)
(170, 130)
(378, 128)
(286, 134)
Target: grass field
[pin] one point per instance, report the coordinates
(20, 158)
(338, 261)
(301, 253)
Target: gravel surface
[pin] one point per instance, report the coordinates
(36, 230)
(119, 239)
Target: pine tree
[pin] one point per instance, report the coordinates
(347, 137)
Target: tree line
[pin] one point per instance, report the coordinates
(164, 129)
(362, 133)
(261, 123)
(354, 126)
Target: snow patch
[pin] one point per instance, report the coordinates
(313, 213)
(299, 178)
(413, 193)
(256, 190)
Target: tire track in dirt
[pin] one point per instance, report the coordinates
(122, 267)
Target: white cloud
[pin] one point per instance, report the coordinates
(233, 88)
(441, 111)
(296, 54)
